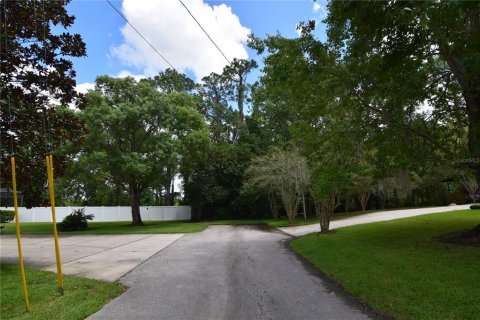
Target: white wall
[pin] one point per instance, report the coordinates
(106, 213)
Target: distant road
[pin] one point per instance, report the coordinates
(371, 217)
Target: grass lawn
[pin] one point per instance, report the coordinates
(399, 270)
(283, 221)
(117, 227)
(280, 222)
(273, 223)
(82, 296)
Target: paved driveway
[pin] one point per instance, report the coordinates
(371, 217)
(105, 257)
(228, 272)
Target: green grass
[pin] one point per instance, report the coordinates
(283, 221)
(82, 296)
(117, 227)
(273, 223)
(398, 269)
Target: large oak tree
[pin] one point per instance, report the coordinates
(138, 136)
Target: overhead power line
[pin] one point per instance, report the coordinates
(183, 4)
(138, 32)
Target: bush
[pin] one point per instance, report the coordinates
(76, 221)
(6, 216)
(475, 206)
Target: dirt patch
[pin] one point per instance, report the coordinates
(469, 237)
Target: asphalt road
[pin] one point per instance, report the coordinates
(228, 272)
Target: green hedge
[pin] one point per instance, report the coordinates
(475, 206)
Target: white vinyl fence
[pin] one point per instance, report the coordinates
(106, 213)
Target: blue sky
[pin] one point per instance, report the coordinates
(114, 49)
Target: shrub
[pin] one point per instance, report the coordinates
(76, 221)
(475, 206)
(6, 216)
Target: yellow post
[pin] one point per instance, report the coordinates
(51, 189)
(17, 226)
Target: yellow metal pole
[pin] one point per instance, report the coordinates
(51, 189)
(17, 227)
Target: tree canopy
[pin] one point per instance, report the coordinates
(138, 137)
(416, 52)
(380, 115)
(35, 71)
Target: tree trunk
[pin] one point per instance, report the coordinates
(473, 112)
(167, 195)
(322, 217)
(241, 93)
(273, 202)
(382, 199)
(196, 213)
(348, 201)
(169, 189)
(291, 212)
(470, 85)
(472, 101)
(324, 210)
(158, 196)
(135, 193)
(216, 132)
(469, 81)
(274, 208)
(363, 198)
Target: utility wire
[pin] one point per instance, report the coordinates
(183, 4)
(138, 32)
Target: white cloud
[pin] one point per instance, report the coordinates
(318, 8)
(126, 73)
(173, 32)
(84, 87)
